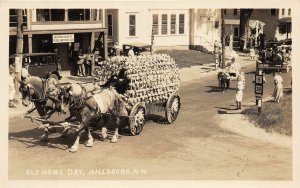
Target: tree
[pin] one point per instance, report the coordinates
(244, 27)
(19, 31)
(19, 50)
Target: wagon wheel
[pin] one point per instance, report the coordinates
(137, 118)
(172, 108)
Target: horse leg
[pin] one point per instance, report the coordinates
(116, 133)
(104, 128)
(74, 147)
(90, 141)
(82, 126)
(44, 137)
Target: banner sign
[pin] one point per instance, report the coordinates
(66, 38)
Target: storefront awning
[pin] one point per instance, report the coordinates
(285, 19)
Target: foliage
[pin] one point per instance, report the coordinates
(274, 116)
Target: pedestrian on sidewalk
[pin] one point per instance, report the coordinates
(11, 86)
(239, 91)
(217, 53)
(252, 53)
(278, 89)
(80, 63)
(88, 62)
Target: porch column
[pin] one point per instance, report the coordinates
(66, 15)
(93, 58)
(30, 43)
(105, 45)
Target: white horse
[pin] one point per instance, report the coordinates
(84, 106)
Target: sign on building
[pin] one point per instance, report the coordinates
(66, 38)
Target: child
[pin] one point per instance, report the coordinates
(239, 92)
(252, 53)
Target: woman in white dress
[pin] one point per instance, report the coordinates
(278, 89)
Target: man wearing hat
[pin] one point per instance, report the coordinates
(24, 71)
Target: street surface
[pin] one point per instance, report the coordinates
(195, 147)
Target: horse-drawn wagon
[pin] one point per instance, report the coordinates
(130, 87)
(148, 84)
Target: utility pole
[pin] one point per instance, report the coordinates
(19, 50)
(223, 38)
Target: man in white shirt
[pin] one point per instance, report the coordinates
(131, 52)
(24, 71)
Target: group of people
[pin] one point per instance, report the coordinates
(84, 63)
(13, 81)
(233, 70)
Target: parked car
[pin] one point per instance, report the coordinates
(44, 65)
(138, 48)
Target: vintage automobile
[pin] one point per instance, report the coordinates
(44, 65)
(138, 48)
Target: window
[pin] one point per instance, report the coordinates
(289, 12)
(110, 24)
(225, 11)
(50, 15)
(164, 24)
(273, 12)
(173, 24)
(94, 14)
(13, 19)
(235, 12)
(236, 31)
(155, 24)
(282, 11)
(181, 23)
(132, 25)
(79, 14)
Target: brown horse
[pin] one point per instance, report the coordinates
(43, 95)
(85, 106)
(39, 91)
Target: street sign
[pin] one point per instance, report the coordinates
(66, 38)
(259, 89)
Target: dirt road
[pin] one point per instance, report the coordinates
(195, 147)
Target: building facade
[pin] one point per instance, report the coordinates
(274, 23)
(68, 30)
(71, 30)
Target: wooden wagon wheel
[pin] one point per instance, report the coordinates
(137, 118)
(172, 108)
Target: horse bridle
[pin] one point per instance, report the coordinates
(35, 96)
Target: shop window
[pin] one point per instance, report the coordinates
(282, 12)
(155, 24)
(236, 31)
(50, 15)
(181, 23)
(110, 24)
(273, 12)
(164, 24)
(13, 19)
(132, 25)
(173, 24)
(289, 12)
(235, 12)
(79, 14)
